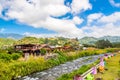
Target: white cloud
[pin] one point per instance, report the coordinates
(62, 26)
(37, 13)
(2, 30)
(43, 35)
(113, 18)
(108, 29)
(77, 20)
(34, 11)
(0, 10)
(114, 4)
(93, 17)
(80, 5)
(56, 10)
(51, 35)
(104, 25)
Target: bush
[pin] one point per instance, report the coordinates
(43, 51)
(15, 56)
(70, 76)
(119, 73)
(9, 57)
(5, 56)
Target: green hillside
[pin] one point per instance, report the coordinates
(51, 41)
(6, 42)
(92, 40)
(88, 40)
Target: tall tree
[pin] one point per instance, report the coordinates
(103, 44)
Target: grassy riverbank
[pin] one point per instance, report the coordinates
(113, 72)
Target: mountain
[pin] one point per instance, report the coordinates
(11, 35)
(88, 40)
(85, 40)
(92, 40)
(111, 38)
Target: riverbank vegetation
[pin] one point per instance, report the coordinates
(12, 66)
(81, 70)
(113, 72)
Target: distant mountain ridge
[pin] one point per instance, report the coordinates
(111, 38)
(84, 40)
(92, 40)
(11, 35)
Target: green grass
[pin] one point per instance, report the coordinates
(70, 76)
(113, 66)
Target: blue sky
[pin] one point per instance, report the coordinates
(68, 18)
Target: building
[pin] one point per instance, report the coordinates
(28, 49)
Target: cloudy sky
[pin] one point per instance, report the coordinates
(67, 18)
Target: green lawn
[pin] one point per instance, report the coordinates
(113, 66)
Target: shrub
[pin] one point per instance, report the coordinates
(70, 76)
(15, 56)
(119, 73)
(9, 57)
(5, 56)
(43, 51)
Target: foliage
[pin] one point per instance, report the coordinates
(93, 40)
(88, 45)
(15, 68)
(8, 57)
(88, 40)
(117, 44)
(5, 56)
(5, 43)
(81, 70)
(113, 69)
(16, 56)
(51, 41)
(28, 40)
(43, 51)
(70, 76)
(103, 44)
(118, 73)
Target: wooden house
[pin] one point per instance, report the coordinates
(28, 49)
(33, 49)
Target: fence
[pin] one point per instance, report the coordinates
(84, 75)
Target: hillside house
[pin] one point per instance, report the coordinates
(32, 49)
(28, 49)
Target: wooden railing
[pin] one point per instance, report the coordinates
(84, 75)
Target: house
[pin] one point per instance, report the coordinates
(28, 49)
(37, 49)
(32, 49)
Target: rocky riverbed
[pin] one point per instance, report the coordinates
(55, 72)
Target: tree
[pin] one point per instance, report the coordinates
(88, 45)
(103, 44)
(116, 44)
(46, 41)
